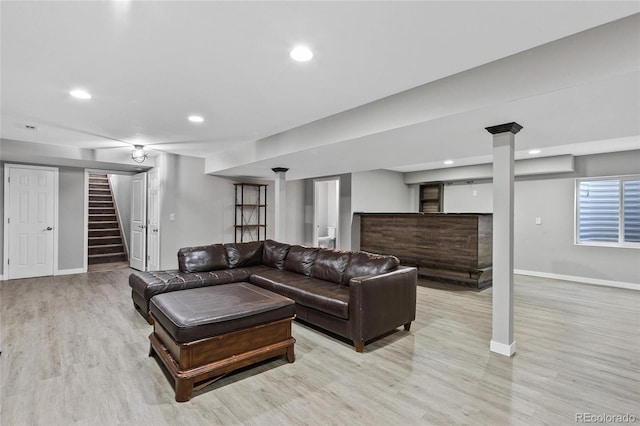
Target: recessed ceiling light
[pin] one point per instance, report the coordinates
(196, 119)
(301, 54)
(448, 162)
(534, 151)
(80, 94)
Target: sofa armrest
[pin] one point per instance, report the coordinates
(380, 303)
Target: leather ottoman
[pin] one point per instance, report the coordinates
(204, 333)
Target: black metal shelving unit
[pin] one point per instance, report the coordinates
(250, 212)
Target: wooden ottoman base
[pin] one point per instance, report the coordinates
(194, 365)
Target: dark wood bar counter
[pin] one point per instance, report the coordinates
(455, 247)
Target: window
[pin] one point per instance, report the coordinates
(608, 211)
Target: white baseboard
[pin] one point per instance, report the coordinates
(502, 349)
(70, 271)
(1, 277)
(585, 280)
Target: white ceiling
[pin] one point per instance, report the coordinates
(150, 64)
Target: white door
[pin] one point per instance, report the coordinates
(31, 221)
(138, 253)
(153, 222)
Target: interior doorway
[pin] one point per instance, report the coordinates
(107, 213)
(31, 228)
(326, 202)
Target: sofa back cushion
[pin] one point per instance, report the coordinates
(202, 258)
(300, 259)
(244, 254)
(363, 263)
(274, 254)
(329, 265)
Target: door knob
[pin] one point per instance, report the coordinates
(48, 228)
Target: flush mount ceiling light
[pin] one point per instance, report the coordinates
(301, 54)
(448, 162)
(534, 151)
(138, 155)
(195, 119)
(80, 94)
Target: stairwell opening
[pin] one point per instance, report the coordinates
(106, 245)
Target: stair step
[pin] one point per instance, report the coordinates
(102, 210)
(107, 258)
(104, 232)
(106, 249)
(98, 241)
(99, 217)
(103, 224)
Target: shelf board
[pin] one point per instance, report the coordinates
(251, 205)
(250, 184)
(250, 226)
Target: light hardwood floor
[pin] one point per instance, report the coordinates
(74, 351)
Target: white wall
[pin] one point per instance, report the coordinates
(468, 198)
(380, 191)
(295, 212)
(549, 248)
(203, 206)
(71, 218)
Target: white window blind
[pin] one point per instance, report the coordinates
(608, 211)
(631, 199)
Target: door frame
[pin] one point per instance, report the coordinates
(151, 266)
(86, 210)
(315, 209)
(7, 212)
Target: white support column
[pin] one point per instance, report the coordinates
(280, 203)
(502, 341)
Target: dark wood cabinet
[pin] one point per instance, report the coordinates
(452, 247)
(250, 212)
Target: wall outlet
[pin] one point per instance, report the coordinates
(538, 221)
(474, 193)
(172, 216)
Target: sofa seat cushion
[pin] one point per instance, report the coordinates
(148, 284)
(202, 258)
(321, 295)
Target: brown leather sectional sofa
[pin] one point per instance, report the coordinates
(356, 295)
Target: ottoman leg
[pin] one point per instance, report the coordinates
(184, 389)
(291, 356)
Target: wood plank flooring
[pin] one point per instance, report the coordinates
(74, 351)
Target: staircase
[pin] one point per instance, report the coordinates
(105, 239)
